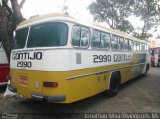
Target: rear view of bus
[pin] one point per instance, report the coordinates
(4, 67)
(36, 64)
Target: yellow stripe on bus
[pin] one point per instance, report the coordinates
(73, 88)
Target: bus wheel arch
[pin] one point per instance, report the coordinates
(114, 83)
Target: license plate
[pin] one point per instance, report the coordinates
(23, 79)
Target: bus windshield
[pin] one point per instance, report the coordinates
(20, 38)
(42, 35)
(47, 35)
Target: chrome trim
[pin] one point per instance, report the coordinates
(102, 72)
(37, 96)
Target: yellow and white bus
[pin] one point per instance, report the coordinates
(57, 58)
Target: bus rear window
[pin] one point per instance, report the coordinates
(20, 38)
(47, 35)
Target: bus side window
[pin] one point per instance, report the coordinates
(80, 36)
(138, 48)
(95, 39)
(146, 48)
(130, 45)
(85, 35)
(105, 40)
(126, 44)
(143, 48)
(76, 36)
(121, 44)
(114, 42)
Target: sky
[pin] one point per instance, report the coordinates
(76, 8)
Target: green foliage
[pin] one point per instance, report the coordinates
(113, 12)
(125, 25)
(143, 36)
(149, 12)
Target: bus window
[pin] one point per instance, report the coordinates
(134, 46)
(121, 44)
(146, 48)
(105, 40)
(114, 42)
(76, 36)
(48, 35)
(143, 48)
(126, 45)
(85, 35)
(96, 39)
(20, 38)
(130, 45)
(138, 46)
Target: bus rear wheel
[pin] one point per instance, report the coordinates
(114, 84)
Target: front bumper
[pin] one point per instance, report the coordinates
(50, 99)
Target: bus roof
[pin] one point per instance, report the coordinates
(66, 17)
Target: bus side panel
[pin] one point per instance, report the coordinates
(4, 66)
(4, 71)
(139, 63)
(83, 87)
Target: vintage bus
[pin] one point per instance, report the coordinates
(155, 51)
(4, 66)
(57, 58)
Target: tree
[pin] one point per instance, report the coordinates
(113, 12)
(149, 13)
(9, 18)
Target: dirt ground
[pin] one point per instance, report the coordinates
(141, 95)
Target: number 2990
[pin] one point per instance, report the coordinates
(24, 64)
(101, 58)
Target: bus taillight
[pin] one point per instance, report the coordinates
(50, 84)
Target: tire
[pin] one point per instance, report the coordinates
(114, 85)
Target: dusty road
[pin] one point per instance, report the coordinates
(140, 95)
